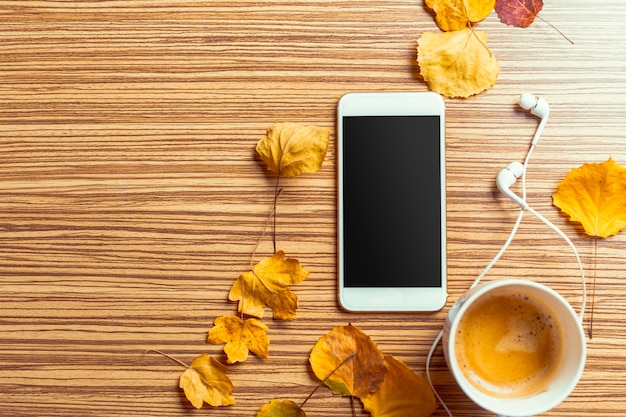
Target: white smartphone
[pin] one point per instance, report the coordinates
(392, 201)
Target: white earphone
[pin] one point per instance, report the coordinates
(505, 180)
(509, 175)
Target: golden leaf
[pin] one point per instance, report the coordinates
(205, 381)
(401, 390)
(290, 149)
(595, 195)
(284, 408)
(268, 285)
(360, 375)
(453, 15)
(240, 336)
(457, 64)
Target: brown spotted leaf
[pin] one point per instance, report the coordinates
(520, 13)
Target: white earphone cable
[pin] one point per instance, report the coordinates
(480, 276)
(505, 247)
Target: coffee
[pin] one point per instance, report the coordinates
(508, 344)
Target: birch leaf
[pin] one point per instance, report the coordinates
(519, 13)
(453, 15)
(457, 64)
(595, 195)
(281, 408)
(290, 149)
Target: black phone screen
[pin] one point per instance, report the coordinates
(392, 215)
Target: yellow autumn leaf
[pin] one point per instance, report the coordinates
(205, 381)
(595, 195)
(453, 15)
(348, 362)
(240, 337)
(268, 285)
(457, 64)
(290, 149)
(402, 390)
(281, 408)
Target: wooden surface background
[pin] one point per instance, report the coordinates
(131, 196)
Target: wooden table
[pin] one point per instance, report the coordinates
(131, 197)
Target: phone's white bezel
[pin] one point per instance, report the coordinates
(385, 298)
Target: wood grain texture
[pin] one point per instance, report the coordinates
(131, 196)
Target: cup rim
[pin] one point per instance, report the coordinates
(543, 402)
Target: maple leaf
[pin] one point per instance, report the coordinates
(453, 15)
(205, 381)
(290, 149)
(595, 195)
(278, 408)
(401, 390)
(240, 337)
(519, 13)
(268, 285)
(458, 63)
(359, 376)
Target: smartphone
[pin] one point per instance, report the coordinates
(392, 201)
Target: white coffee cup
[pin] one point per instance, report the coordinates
(566, 374)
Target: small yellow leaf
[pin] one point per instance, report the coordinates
(457, 64)
(361, 374)
(402, 390)
(290, 149)
(284, 408)
(453, 15)
(240, 336)
(205, 381)
(595, 196)
(268, 285)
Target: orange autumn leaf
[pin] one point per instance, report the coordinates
(290, 149)
(595, 196)
(457, 64)
(453, 15)
(402, 390)
(205, 381)
(240, 337)
(268, 285)
(519, 13)
(284, 408)
(348, 362)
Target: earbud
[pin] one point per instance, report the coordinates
(537, 106)
(507, 177)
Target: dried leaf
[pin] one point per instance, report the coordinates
(205, 381)
(595, 196)
(519, 13)
(268, 285)
(284, 408)
(240, 336)
(359, 376)
(402, 390)
(457, 64)
(290, 149)
(453, 15)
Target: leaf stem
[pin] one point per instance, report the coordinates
(555, 28)
(593, 287)
(350, 356)
(269, 219)
(168, 357)
(277, 192)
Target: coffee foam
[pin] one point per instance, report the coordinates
(508, 344)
